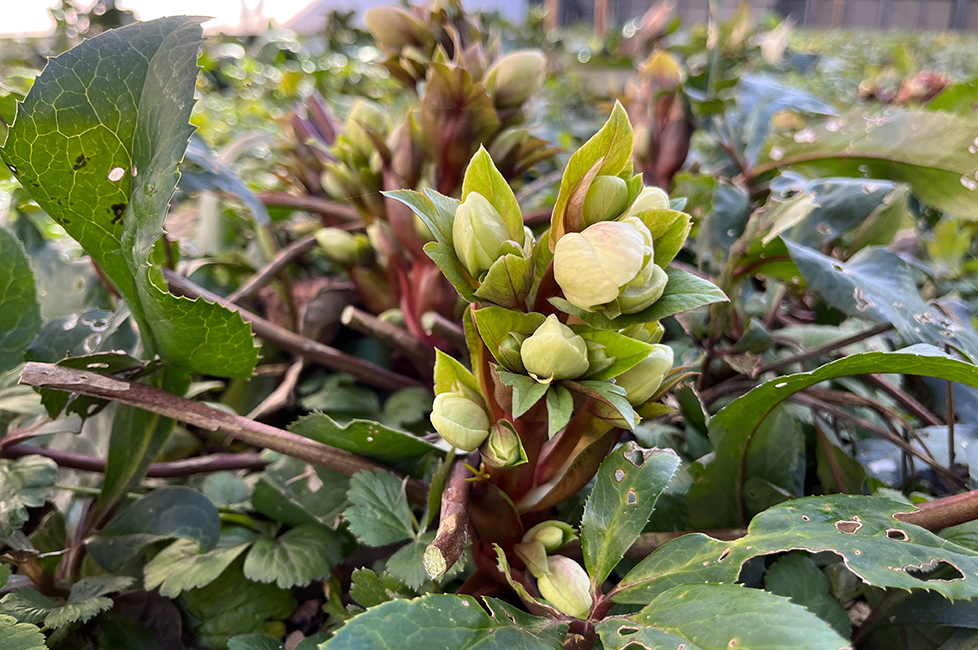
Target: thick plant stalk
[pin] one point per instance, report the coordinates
(308, 203)
(946, 511)
(446, 549)
(83, 382)
(365, 371)
(170, 469)
(281, 260)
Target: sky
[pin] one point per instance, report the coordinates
(31, 17)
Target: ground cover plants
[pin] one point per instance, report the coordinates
(421, 341)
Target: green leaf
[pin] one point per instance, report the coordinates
(439, 221)
(106, 168)
(4, 574)
(370, 589)
(20, 313)
(878, 548)
(526, 390)
(482, 177)
(181, 566)
(297, 558)
(560, 408)
(24, 483)
(162, 514)
(508, 281)
(684, 291)
(876, 284)
(448, 370)
(798, 578)
(254, 641)
(626, 488)
(27, 605)
(227, 490)
(88, 597)
(957, 98)
(495, 323)
(20, 636)
(620, 413)
(626, 351)
(295, 493)
(720, 484)
(444, 256)
(380, 513)
(446, 621)
(362, 437)
(233, 605)
(927, 150)
(608, 152)
(669, 229)
(718, 617)
(407, 563)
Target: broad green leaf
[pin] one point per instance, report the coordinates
(876, 284)
(620, 413)
(482, 177)
(27, 605)
(20, 313)
(839, 205)
(669, 230)
(181, 566)
(439, 222)
(295, 493)
(625, 351)
(446, 621)
(718, 617)
(626, 488)
(957, 98)
(508, 281)
(444, 256)
(527, 391)
(495, 323)
(448, 370)
(297, 558)
(684, 291)
(798, 578)
(407, 563)
(82, 334)
(882, 224)
(362, 437)
(608, 152)
(719, 485)
(879, 549)
(162, 514)
(253, 641)
(96, 143)
(776, 461)
(560, 409)
(370, 589)
(20, 636)
(380, 513)
(925, 149)
(227, 490)
(24, 483)
(88, 597)
(233, 605)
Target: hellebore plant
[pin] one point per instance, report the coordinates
(562, 333)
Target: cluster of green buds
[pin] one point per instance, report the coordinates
(356, 173)
(554, 352)
(561, 581)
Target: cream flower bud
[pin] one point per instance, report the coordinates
(460, 417)
(605, 199)
(479, 233)
(515, 77)
(637, 297)
(641, 381)
(651, 198)
(566, 586)
(503, 448)
(595, 266)
(552, 534)
(554, 352)
(509, 350)
(345, 248)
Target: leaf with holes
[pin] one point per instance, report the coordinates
(718, 492)
(880, 549)
(799, 579)
(626, 488)
(447, 621)
(718, 617)
(96, 143)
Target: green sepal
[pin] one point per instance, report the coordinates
(526, 390)
(560, 408)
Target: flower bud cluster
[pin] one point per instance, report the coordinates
(562, 582)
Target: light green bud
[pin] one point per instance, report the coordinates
(515, 77)
(597, 357)
(503, 448)
(635, 298)
(650, 332)
(365, 116)
(479, 233)
(566, 586)
(554, 352)
(651, 198)
(593, 267)
(534, 556)
(509, 350)
(343, 247)
(460, 417)
(552, 534)
(641, 381)
(605, 199)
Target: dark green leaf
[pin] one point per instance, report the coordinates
(876, 547)
(363, 437)
(295, 493)
(621, 502)
(20, 313)
(227, 490)
(370, 589)
(304, 554)
(798, 578)
(560, 408)
(527, 391)
(718, 617)
(684, 291)
(253, 641)
(445, 621)
(24, 483)
(162, 514)
(407, 563)
(732, 430)
(380, 513)
(181, 566)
